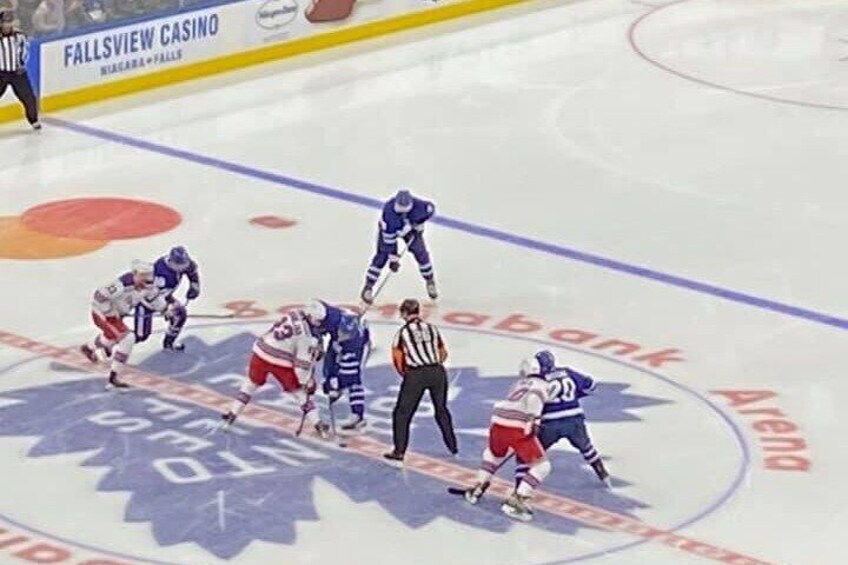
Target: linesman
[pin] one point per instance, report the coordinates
(14, 52)
(418, 354)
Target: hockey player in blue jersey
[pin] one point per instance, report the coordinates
(563, 417)
(326, 317)
(403, 217)
(346, 356)
(168, 272)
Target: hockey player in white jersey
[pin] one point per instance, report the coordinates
(109, 305)
(513, 430)
(289, 352)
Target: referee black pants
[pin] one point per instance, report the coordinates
(435, 379)
(23, 90)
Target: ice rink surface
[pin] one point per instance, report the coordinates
(653, 191)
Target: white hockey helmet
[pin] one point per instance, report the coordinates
(139, 266)
(315, 311)
(529, 367)
(142, 271)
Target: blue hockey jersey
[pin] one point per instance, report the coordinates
(330, 324)
(394, 225)
(167, 279)
(565, 403)
(346, 358)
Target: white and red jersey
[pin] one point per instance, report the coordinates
(290, 343)
(524, 403)
(121, 297)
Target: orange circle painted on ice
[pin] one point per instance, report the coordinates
(101, 218)
(19, 242)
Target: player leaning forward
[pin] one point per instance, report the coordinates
(288, 352)
(513, 429)
(168, 272)
(403, 217)
(108, 307)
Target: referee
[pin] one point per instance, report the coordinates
(418, 353)
(14, 51)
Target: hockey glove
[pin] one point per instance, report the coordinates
(193, 292)
(394, 263)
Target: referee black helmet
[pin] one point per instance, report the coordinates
(7, 16)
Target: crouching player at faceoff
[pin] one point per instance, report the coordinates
(168, 272)
(288, 352)
(563, 417)
(108, 307)
(513, 429)
(344, 363)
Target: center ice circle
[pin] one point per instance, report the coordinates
(456, 336)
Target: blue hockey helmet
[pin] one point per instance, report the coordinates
(547, 361)
(403, 202)
(178, 257)
(348, 326)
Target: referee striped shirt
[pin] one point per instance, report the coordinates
(14, 52)
(418, 344)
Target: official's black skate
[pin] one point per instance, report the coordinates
(394, 459)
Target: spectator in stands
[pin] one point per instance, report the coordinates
(95, 11)
(25, 10)
(49, 17)
(75, 14)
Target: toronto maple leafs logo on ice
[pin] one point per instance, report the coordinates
(225, 491)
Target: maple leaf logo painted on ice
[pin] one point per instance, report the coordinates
(227, 490)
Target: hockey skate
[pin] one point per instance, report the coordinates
(115, 382)
(518, 507)
(89, 353)
(367, 295)
(354, 424)
(602, 473)
(394, 459)
(323, 430)
(169, 344)
(431, 290)
(229, 418)
(473, 494)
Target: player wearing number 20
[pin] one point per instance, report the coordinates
(288, 352)
(513, 430)
(403, 217)
(563, 417)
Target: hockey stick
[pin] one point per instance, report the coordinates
(461, 491)
(205, 316)
(383, 282)
(213, 316)
(339, 440)
(303, 416)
